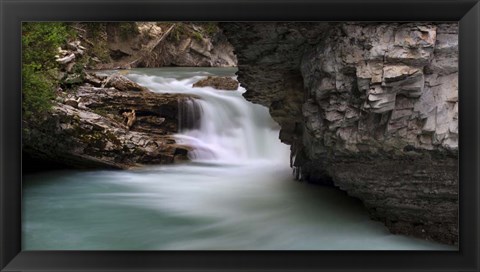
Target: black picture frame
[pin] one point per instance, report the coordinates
(13, 12)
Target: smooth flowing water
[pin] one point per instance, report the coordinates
(238, 192)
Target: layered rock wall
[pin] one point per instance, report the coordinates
(370, 108)
(382, 88)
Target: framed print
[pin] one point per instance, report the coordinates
(239, 135)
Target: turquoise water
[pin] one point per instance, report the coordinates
(238, 193)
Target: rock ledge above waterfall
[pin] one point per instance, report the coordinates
(219, 83)
(87, 129)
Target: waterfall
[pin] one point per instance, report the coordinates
(189, 114)
(242, 198)
(220, 125)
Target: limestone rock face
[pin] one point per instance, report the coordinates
(269, 56)
(384, 73)
(89, 130)
(371, 108)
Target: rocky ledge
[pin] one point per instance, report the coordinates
(88, 128)
(371, 108)
(219, 83)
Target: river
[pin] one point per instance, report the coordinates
(238, 193)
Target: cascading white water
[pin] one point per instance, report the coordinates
(221, 126)
(244, 198)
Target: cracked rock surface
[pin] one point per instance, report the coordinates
(88, 130)
(371, 108)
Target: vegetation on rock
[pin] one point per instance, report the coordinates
(155, 44)
(40, 41)
(84, 126)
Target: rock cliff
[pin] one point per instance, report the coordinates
(371, 108)
(156, 44)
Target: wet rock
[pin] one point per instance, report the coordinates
(269, 55)
(122, 83)
(93, 79)
(219, 83)
(181, 154)
(93, 132)
(364, 105)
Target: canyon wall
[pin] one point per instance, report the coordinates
(155, 44)
(371, 108)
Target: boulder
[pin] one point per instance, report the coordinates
(219, 83)
(122, 83)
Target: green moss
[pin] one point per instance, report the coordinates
(180, 30)
(112, 138)
(94, 139)
(210, 28)
(197, 36)
(183, 30)
(128, 30)
(96, 33)
(138, 152)
(40, 41)
(73, 79)
(94, 29)
(38, 91)
(101, 111)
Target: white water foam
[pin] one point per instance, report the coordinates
(221, 126)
